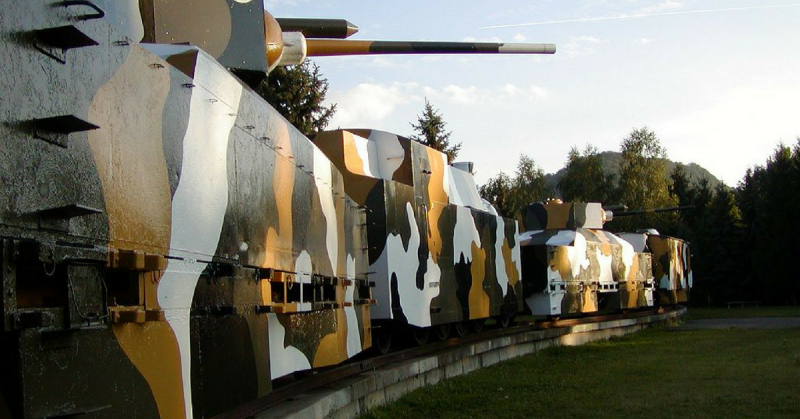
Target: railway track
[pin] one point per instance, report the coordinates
(358, 365)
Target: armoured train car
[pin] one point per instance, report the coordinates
(438, 254)
(570, 265)
(170, 244)
(671, 264)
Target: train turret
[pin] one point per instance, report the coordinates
(243, 36)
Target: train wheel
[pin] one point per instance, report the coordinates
(477, 325)
(420, 335)
(461, 329)
(383, 343)
(504, 320)
(443, 331)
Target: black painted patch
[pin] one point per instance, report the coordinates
(91, 364)
(223, 364)
(397, 309)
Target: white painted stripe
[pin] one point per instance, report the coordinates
(200, 201)
(283, 359)
(323, 178)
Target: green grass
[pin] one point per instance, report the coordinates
(657, 373)
(696, 313)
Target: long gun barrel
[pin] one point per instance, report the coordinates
(651, 211)
(333, 47)
(290, 41)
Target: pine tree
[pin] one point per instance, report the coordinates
(297, 93)
(431, 128)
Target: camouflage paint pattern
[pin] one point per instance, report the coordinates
(437, 254)
(671, 265)
(570, 265)
(175, 256)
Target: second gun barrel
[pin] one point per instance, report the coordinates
(332, 47)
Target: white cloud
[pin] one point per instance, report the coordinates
(369, 104)
(539, 91)
(470, 95)
(520, 37)
(660, 7)
(581, 45)
(643, 41)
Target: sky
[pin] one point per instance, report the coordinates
(718, 81)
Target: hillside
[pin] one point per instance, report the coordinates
(612, 159)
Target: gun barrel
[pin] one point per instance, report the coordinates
(333, 47)
(651, 211)
(318, 28)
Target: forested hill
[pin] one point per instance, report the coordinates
(611, 164)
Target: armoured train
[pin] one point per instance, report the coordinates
(170, 244)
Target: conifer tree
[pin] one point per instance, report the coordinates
(431, 129)
(297, 93)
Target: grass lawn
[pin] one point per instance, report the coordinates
(657, 373)
(696, 313)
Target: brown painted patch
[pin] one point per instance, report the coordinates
(129, 156)
(353, 161)
(333, 347)
(279, 241)
(437, 202)
(561, 263)
(589, 299)
(366, 332)
(511, 267)
(633, 273)
(205, 23)
(558, 215)
(153, 349)
(479, 303)
(186, 62)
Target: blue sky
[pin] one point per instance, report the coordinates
(717, 80)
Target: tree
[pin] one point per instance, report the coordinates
(643, 181)
(498, 191)
(297, 93)
(529, 185)
(584, 179)
(511, 196)
(718, 251)
(771, 212)
(431, 128)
